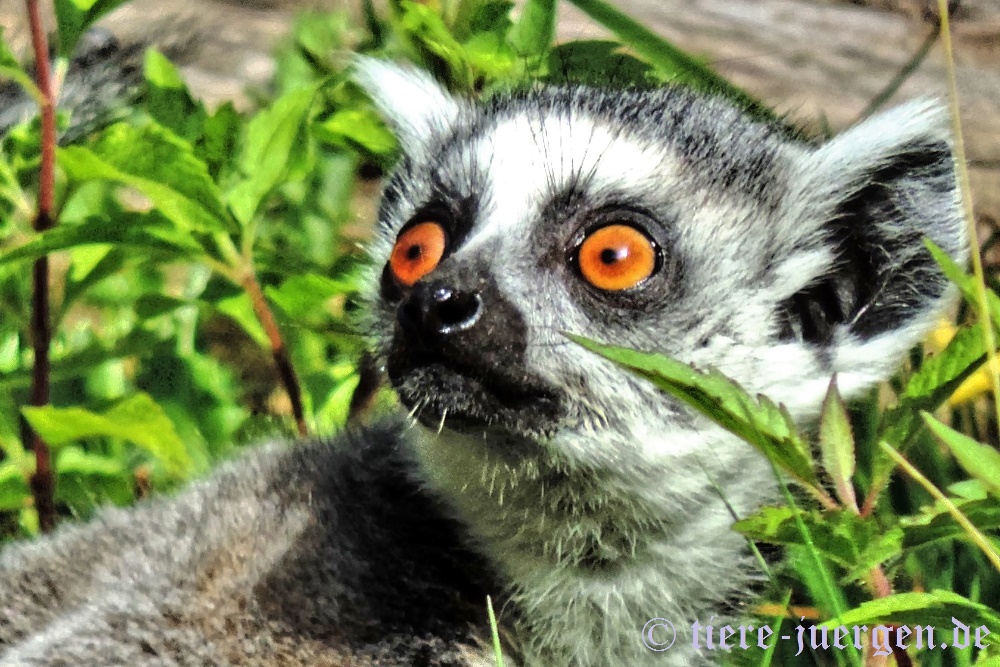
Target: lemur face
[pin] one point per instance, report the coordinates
(656, 220)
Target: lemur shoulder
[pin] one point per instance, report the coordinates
(578, 496)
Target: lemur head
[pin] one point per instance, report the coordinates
(658, 220)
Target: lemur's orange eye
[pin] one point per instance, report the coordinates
(616, 257)
(417, 252)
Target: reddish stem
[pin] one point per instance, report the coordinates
(42, 482)
(278, 350)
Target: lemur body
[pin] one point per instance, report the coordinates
(581, 498)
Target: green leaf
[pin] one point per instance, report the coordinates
(376, 26)
(73, 17)
(939, 609)
(160, 165)
(136, 231)
(479, 16)
(670, 60)
(240, 310)
(87, 481)
(7, 57)
(429, 29)
(276, 147)
(966, 283)
(843, 537)
(168, 100)
(940, 374)
(14, 490)
(968, 489)
(301, 297)
(928, 388)
(75, 460)
(759, 421)
(836, 442)
(318, 40)
(73, 364)
(935, 523)
(137, 419)
(534, 31)
(357, 126)
(154, 305)
(83, 275)
(220, 136)
(489, 54)
(981, 461)
(596, 63)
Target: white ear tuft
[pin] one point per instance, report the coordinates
(412, 102)
(878, 140)
(862, 204)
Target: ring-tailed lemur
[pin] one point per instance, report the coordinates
(578, 496)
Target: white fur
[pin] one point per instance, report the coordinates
(529, 157)
(414, 102)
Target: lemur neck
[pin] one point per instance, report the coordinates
(535, 510)
(584, 558)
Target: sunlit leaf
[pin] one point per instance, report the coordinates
(276, 147)
(74, 17)
(535, 29)
(760, 422)
(855, 543)
(160, 165)
(836, 442)
(979, 460)
(137, 419)
(14, 490)
(136, 231)
(168, 100)
(942, 610)
(936, 523)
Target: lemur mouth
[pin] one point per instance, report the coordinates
(467, 398)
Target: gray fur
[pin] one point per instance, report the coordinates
(579, 497)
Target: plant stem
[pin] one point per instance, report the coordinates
(974, 533)
(903, 74)
(42, 482)
(278, 350)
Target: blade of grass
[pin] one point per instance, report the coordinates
(495, 632)
(975, 535)
(903, 74)
(778, 620)
(966, 190)
(834, 595)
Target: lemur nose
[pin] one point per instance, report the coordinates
(438, 310)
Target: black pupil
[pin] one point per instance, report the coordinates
(611, 255)
(413, 252)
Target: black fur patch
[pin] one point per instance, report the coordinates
(883, 274)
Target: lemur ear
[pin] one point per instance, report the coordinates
(415, 105)
(858, 211)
